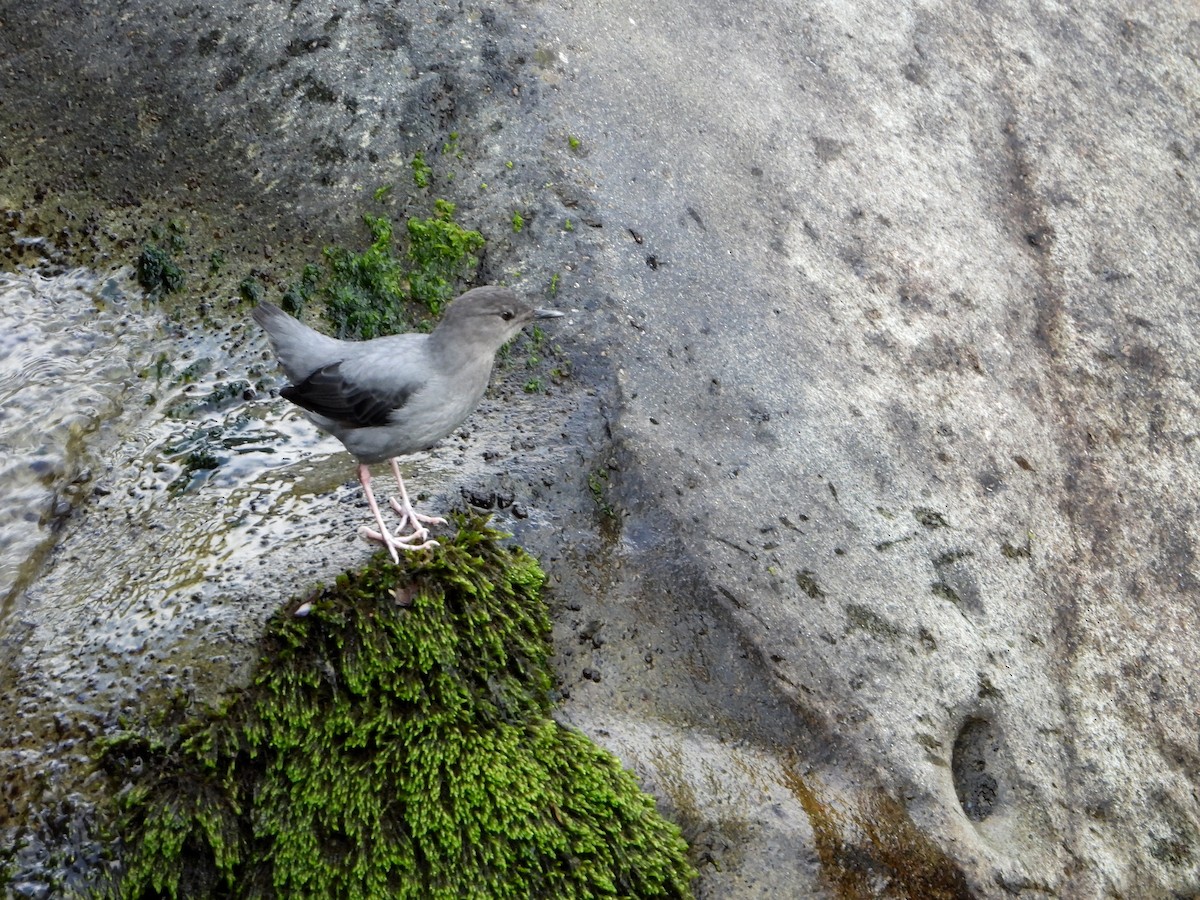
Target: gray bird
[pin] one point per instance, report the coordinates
(395, 395)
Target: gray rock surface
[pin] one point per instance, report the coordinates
(883, 327)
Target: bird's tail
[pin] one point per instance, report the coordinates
(301, 351)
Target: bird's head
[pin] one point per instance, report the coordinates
(488, 316)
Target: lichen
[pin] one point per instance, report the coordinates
(397, 741)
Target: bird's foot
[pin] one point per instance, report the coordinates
(416, 540)
(408, 515)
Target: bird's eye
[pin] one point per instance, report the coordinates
(507, 315)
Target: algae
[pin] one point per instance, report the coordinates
(873, 849)
(397, 741)
(157, 271)
(366, 293)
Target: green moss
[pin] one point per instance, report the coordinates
(389, 750)
(596, 484)
(157, 272)
(298, 294)
(250, 289)
(441, 252)
(421, 170)
(365, 292)
(518, 222)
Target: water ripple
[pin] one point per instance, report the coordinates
(70, 349)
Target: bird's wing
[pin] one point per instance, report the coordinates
(330, 392)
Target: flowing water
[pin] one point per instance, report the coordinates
(101, 394)
(70, 352)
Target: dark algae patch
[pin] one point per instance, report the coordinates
(157, 271)
(395, 742)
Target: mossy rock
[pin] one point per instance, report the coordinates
(396, 742)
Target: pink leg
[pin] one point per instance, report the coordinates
(384, 536)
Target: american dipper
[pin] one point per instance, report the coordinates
(395, 395)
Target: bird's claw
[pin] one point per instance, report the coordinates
(408, 514)
(396, 542)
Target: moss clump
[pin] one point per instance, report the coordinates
(365, 293)
(421, 170)
(299, 293)
(393, 750)
(441, 251)
(250, 289)
(157, 271)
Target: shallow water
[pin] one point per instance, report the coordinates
(71, 348)
(103, 400)
(143, 467)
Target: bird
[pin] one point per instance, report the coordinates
(391, 396)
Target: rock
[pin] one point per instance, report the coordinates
(881, 334)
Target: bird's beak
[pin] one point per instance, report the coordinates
(546, 314)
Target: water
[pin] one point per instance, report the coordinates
(71, 349)
(147, 480)
(101, 395)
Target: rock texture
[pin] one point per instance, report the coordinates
(907, 380)
(870, 518)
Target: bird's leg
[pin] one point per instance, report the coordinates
(404, 508)
(384, 536)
